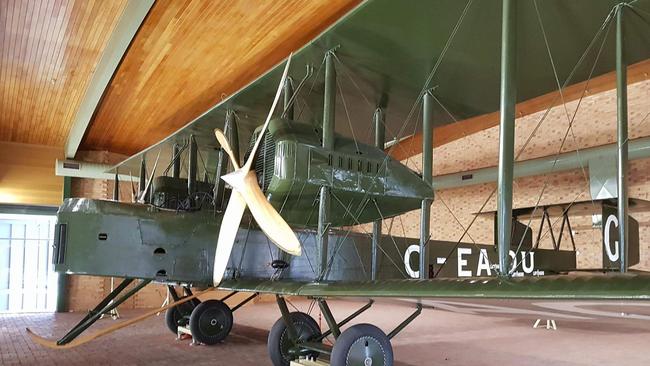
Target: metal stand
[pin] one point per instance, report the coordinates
(550, 324)
(114, 313)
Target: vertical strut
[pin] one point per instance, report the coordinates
(232, 134)
(427, 174)
(380, 138)
(191, 170)
(62, 280)
(329, 104)
(143, 176)
(116, 187)
(176, 166)
(622, 139)
(288, 94)
(506, 132)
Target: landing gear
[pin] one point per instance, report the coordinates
(211, 322)
(362, 345)
(180, 315)
(282, 346)
(297, 334)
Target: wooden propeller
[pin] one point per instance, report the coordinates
(247, 193)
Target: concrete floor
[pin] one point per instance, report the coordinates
(437, 338)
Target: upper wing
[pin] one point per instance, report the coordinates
(386, 51)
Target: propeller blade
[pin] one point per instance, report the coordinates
(225, 145)
(247, 192)
(251, 157)
(227, 234)
(269, 220)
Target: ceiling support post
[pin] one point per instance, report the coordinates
(329, 104)
(622, 138)
(506, 132)
(380, 138)
(427, 175)
(288, 95)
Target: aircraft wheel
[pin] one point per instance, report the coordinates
(179, 315)
(173, 318)
(211, 322)
(279, 344)
(361, 345)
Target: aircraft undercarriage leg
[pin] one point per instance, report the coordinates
(292, 336)
(110, 302)
(297, 334)
(180, 315)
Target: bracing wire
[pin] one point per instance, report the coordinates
(570, 119)
(604, 25)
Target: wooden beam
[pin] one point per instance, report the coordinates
(125, 29)
(445, 134)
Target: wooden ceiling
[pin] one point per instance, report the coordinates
(189, 55)
(48, 50)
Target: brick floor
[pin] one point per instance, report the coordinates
(436, 338)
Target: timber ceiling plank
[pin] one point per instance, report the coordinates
(190, 55)
(49, 51)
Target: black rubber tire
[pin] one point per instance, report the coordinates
(172, 319)
(279, 341)
(211, 322)
(354, 344)
(180, 314)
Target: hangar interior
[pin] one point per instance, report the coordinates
(85, 85)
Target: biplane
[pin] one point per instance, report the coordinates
(299, 210)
